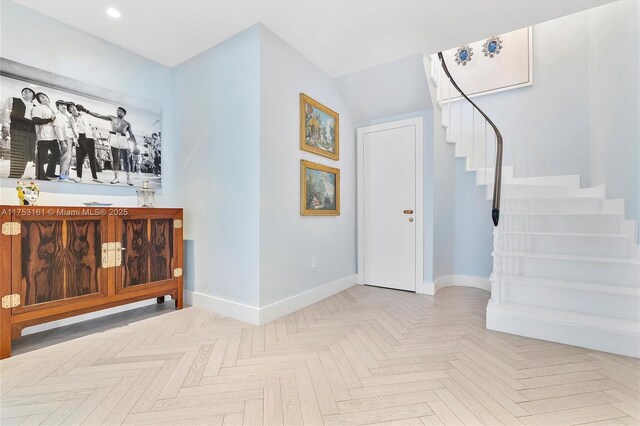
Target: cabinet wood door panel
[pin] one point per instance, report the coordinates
(150, 249)
(58, 261)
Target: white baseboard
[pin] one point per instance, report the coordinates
(457, 281)
(265, 314)
(228, 308)
(427, 288)
(614, 336)
(283, 307)
(88, 316)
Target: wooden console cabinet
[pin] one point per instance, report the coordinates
(57, 262)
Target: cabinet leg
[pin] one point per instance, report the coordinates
(5, 340)
(16, 332)
(178, 298)
(160, 299)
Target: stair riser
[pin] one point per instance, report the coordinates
(529, 191)
(576, 245)
(593, 224)
(560, 205)
(509, 319)
(486, 178)
(570, 182)
(572, 300)
(609, 273)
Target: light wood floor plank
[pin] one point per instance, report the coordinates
(387, 401)
(324, 396)
(567, 402)
(233, 419)
(292, 413)
(568, 389)
(308, 401)
(444, 413)
(574, 416)
(380, 414)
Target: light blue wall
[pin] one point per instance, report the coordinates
(443, 200)
(614, 101)
(287, 239)
(27, 37)
(216, 111)
(471, 218)
(395, 88)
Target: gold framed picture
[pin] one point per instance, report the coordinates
(319, 190)
(319, 128)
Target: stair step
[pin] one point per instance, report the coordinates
(590, 269)
(571, 296)
(607, 245)
(597, 223)
(551, 205)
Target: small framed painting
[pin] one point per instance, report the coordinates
(319, 128)
(319, 190)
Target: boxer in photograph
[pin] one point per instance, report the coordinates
(64, 133)
(157, 152)
(118, 141)
(43, 117)
(17, 125)
(86, 143)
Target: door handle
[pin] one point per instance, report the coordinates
(408, 212)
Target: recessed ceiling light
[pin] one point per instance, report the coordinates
(114, 13)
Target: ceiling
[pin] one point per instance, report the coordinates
(341, 37)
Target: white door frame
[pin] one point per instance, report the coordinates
(417, 123)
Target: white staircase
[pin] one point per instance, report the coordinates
(566, 266)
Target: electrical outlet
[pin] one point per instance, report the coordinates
(314, 262)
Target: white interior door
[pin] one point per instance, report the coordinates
(388, 161)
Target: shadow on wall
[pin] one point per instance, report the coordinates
(189, 265)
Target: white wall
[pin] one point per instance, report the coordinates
(216, 111)
(26, 37)
(396, 88)
(288, 240)
(614, 101)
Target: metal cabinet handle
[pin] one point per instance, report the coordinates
(408, 212)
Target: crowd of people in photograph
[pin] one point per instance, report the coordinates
(56, 139)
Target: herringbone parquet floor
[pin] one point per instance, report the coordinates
(364, 356)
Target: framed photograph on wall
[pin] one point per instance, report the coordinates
(319, 128)
(319, 190)
(55, 128)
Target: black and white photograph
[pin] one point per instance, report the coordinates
(57, 129)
